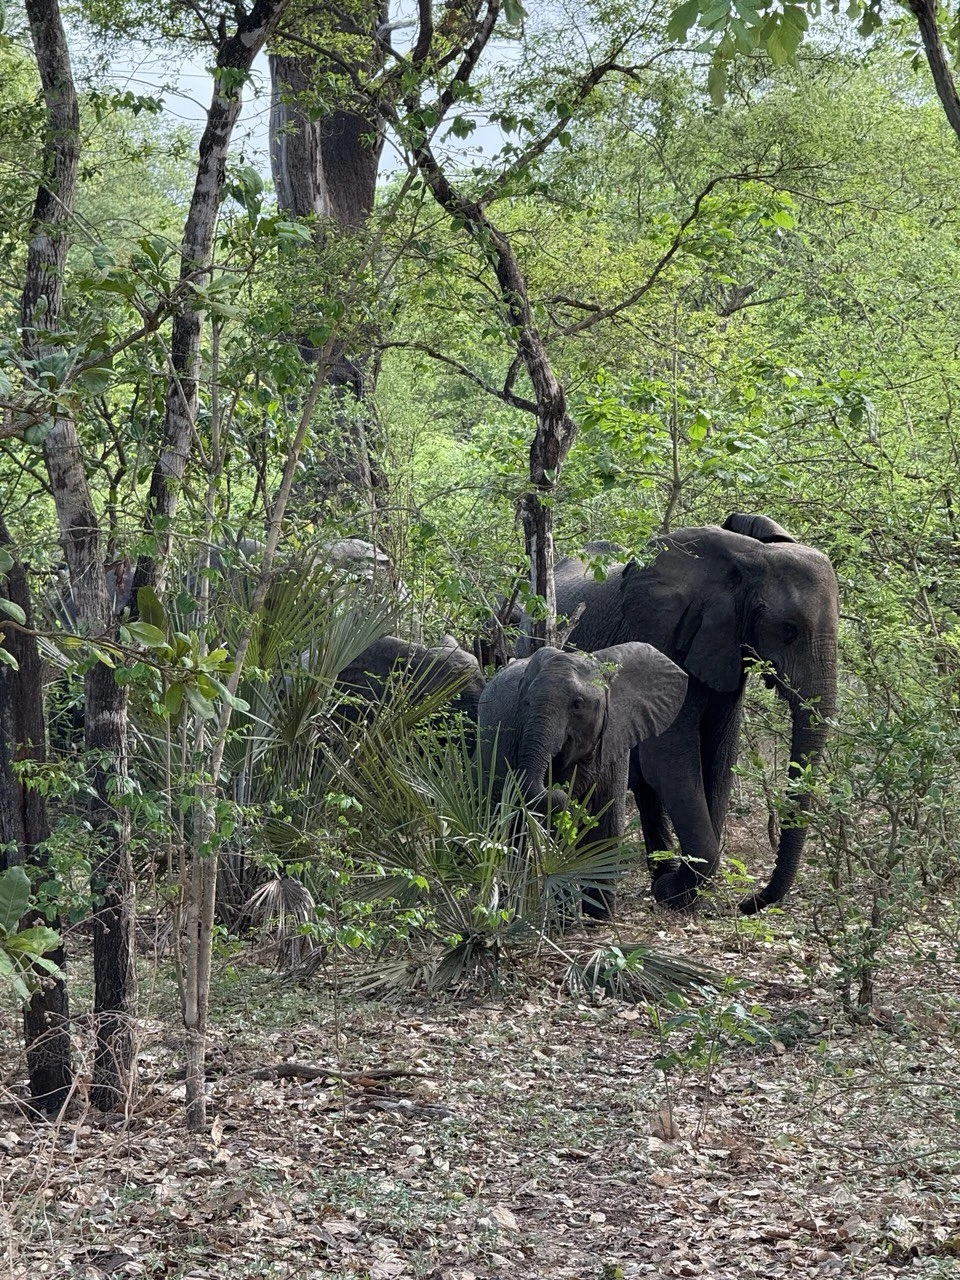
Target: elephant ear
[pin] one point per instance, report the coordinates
(760, 527)
(645, 693)
(686, 603)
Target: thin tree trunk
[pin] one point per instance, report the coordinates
(24, 830)
(236, 53)
(199, 907)
(105, 701)
(112, 881)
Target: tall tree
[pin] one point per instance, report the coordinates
(452, 48)
(105, 703)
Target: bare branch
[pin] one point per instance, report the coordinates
(424, 31)
(506, 395)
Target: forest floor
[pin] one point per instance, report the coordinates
(535, 1139)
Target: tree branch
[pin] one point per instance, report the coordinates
(605, 313)
(506, 395)
(424, 32)
(536, 149)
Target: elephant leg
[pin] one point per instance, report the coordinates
(657, 834)
(699, 854)
(671, 766)
(600, 896)
(719, 745)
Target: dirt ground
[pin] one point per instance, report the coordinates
(534, 1137)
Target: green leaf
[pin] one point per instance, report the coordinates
(173, 699)
(6, 560)
(150, 609)
(201, 705)
(14, 897)
(11, 973)
(13, 610)
(514, 12)
(7, 658)
(37, 940)
(229, 698)
(102, 257)
(717, 83)
(782, 43)
(146, 633)
(682, 19)
(37, 432)
(96, 380)
(294, 232)
(715, 15)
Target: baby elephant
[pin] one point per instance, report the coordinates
(576, 716)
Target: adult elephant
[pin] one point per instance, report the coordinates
(713, 599)
(561, 718)
(440, 669)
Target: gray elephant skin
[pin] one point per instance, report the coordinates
(713, 599)
(441, 668)
(573, 718)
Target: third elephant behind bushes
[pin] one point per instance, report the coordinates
(714, 600)
(446, 667)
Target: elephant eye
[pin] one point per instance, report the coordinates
(790, 632)
(577, 704)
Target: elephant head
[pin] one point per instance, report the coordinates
(716, 598)
(572, 712)
(444, 669)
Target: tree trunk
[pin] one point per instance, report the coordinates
(24, 830)
(236, 53)
(115, 979)
(326, 167)
(105, 701)
(925, 12)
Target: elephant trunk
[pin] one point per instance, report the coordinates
(807, 740)
(533, 764)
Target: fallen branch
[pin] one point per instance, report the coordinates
(307, 1071)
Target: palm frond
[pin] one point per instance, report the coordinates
(278, 910)
(636, 972)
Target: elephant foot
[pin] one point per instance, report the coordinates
(752, 905)
(661, 867)
(675, 890)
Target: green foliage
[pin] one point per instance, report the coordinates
(23, 952)
(696, 1034)
(730, 29)
(636, 972)
(472, 881)
(748, 307)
